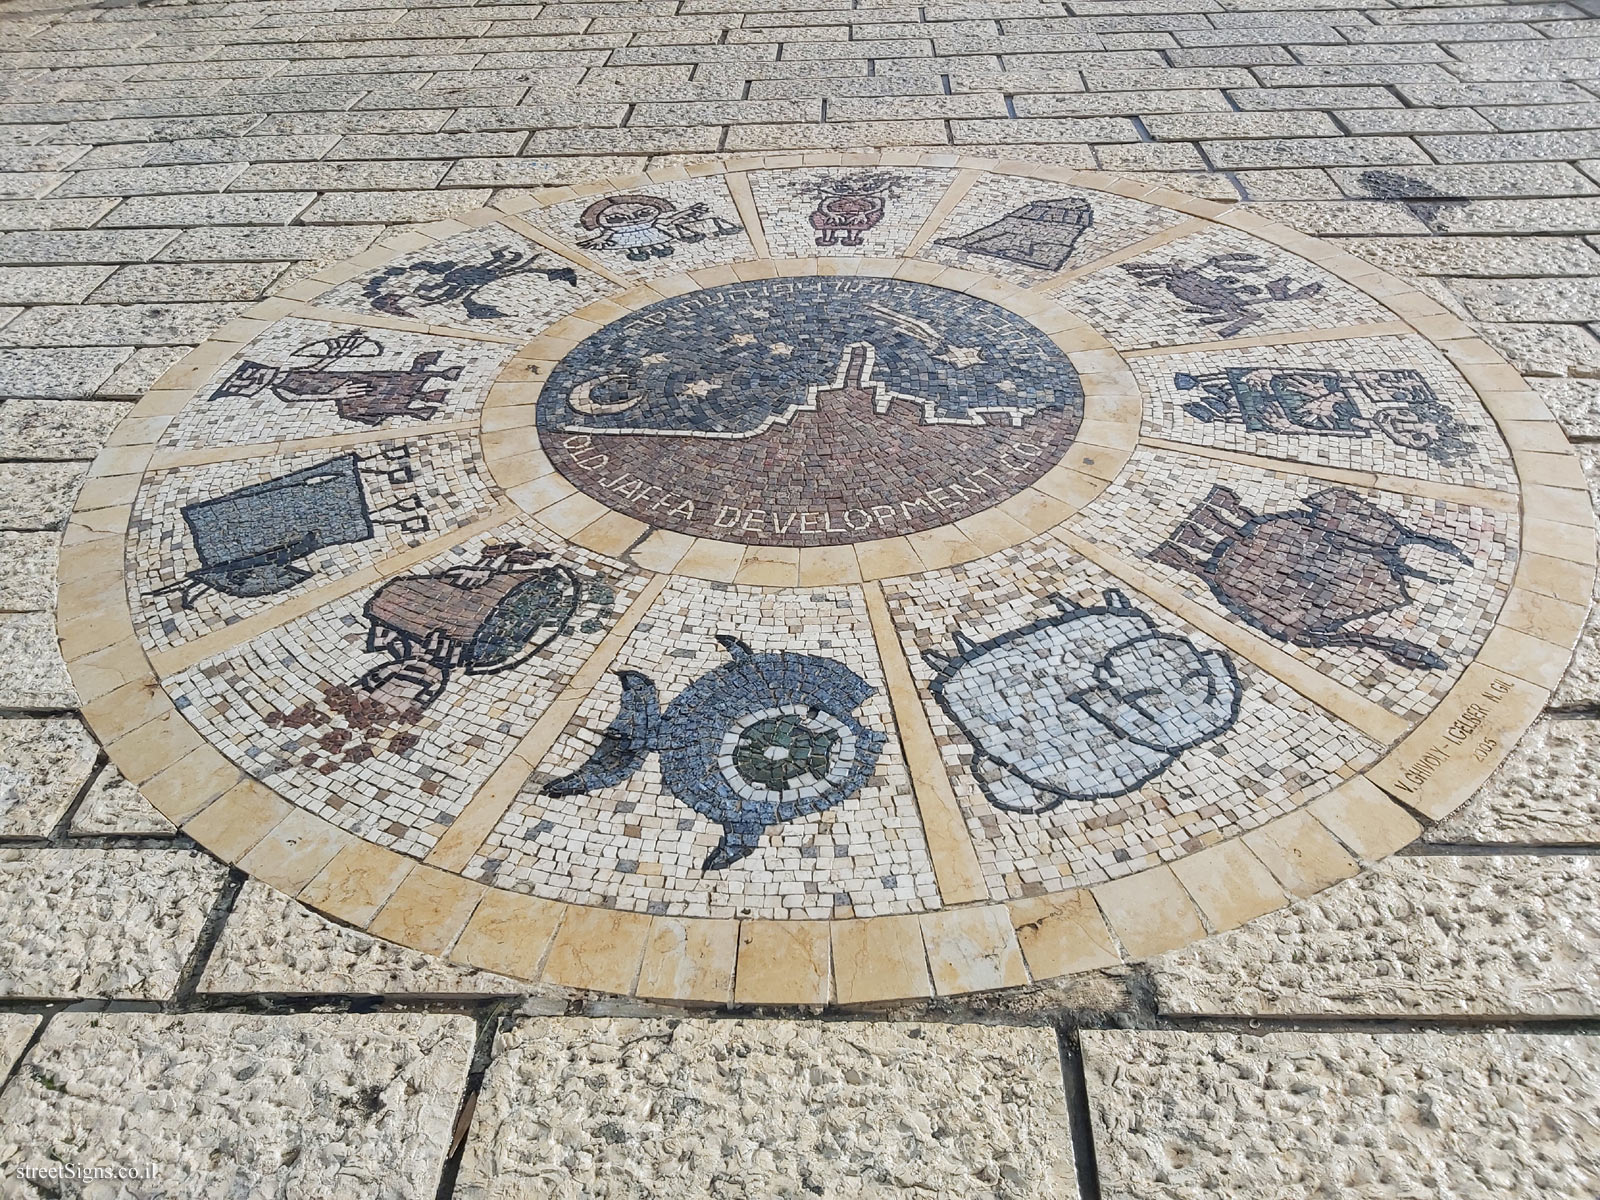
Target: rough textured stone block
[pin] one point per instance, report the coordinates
(1544, 349)
(38, 495)
(1575, 402)
(1468, 1116)
(1482, 934)
(28, 583)
(332, 1105)
(101, 923)
(623, 1108)
(33, 675)
(57, 429)
(43, 763)
(113, 805)
(1547, 791)
(63, 374)
(272, 944)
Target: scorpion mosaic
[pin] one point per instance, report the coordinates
(1217, 292)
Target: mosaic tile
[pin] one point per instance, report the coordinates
(1212, 286)
(491, 280)
(1388, 595)
(1213, 633)
(209, 545)
(1088, 733)
(729, 701)
(1026, 230)
(1391, 405)
(677, 225)
(304, 379)
(384, 711)
(726, 413)
(845, 210)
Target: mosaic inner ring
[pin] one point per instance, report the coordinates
(995, 494)
(1303, 562)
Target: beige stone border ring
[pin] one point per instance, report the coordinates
(1306, 560)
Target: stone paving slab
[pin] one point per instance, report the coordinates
(1548, 791)
(326, 1104)
(1284, 1116)
(619, 1108)
(113, 805)
(15, 1030)
(1420, 935)
(272, 944)
(33, 674)
(114, 924)
(43, 764)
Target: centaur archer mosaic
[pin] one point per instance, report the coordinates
(810, 411)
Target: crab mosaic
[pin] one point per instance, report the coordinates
(818, 576)
(400, 290)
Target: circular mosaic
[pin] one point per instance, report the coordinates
(810, 411)
(814, 579)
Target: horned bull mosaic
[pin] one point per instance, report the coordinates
(1313, 575)
(848, 206)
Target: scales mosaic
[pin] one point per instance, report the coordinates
(825, 579)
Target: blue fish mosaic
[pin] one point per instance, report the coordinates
(761, 740)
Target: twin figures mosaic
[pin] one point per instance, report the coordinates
(823, 411)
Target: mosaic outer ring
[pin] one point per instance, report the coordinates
(969, 943)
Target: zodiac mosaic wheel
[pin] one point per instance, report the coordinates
(825, 579)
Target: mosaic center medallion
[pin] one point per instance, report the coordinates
(810, 411)
(824, 579)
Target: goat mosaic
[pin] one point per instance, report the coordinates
(367, 397)
(1088, 704)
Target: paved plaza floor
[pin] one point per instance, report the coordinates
(766, 598)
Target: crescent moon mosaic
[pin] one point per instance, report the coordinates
(825, 579)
